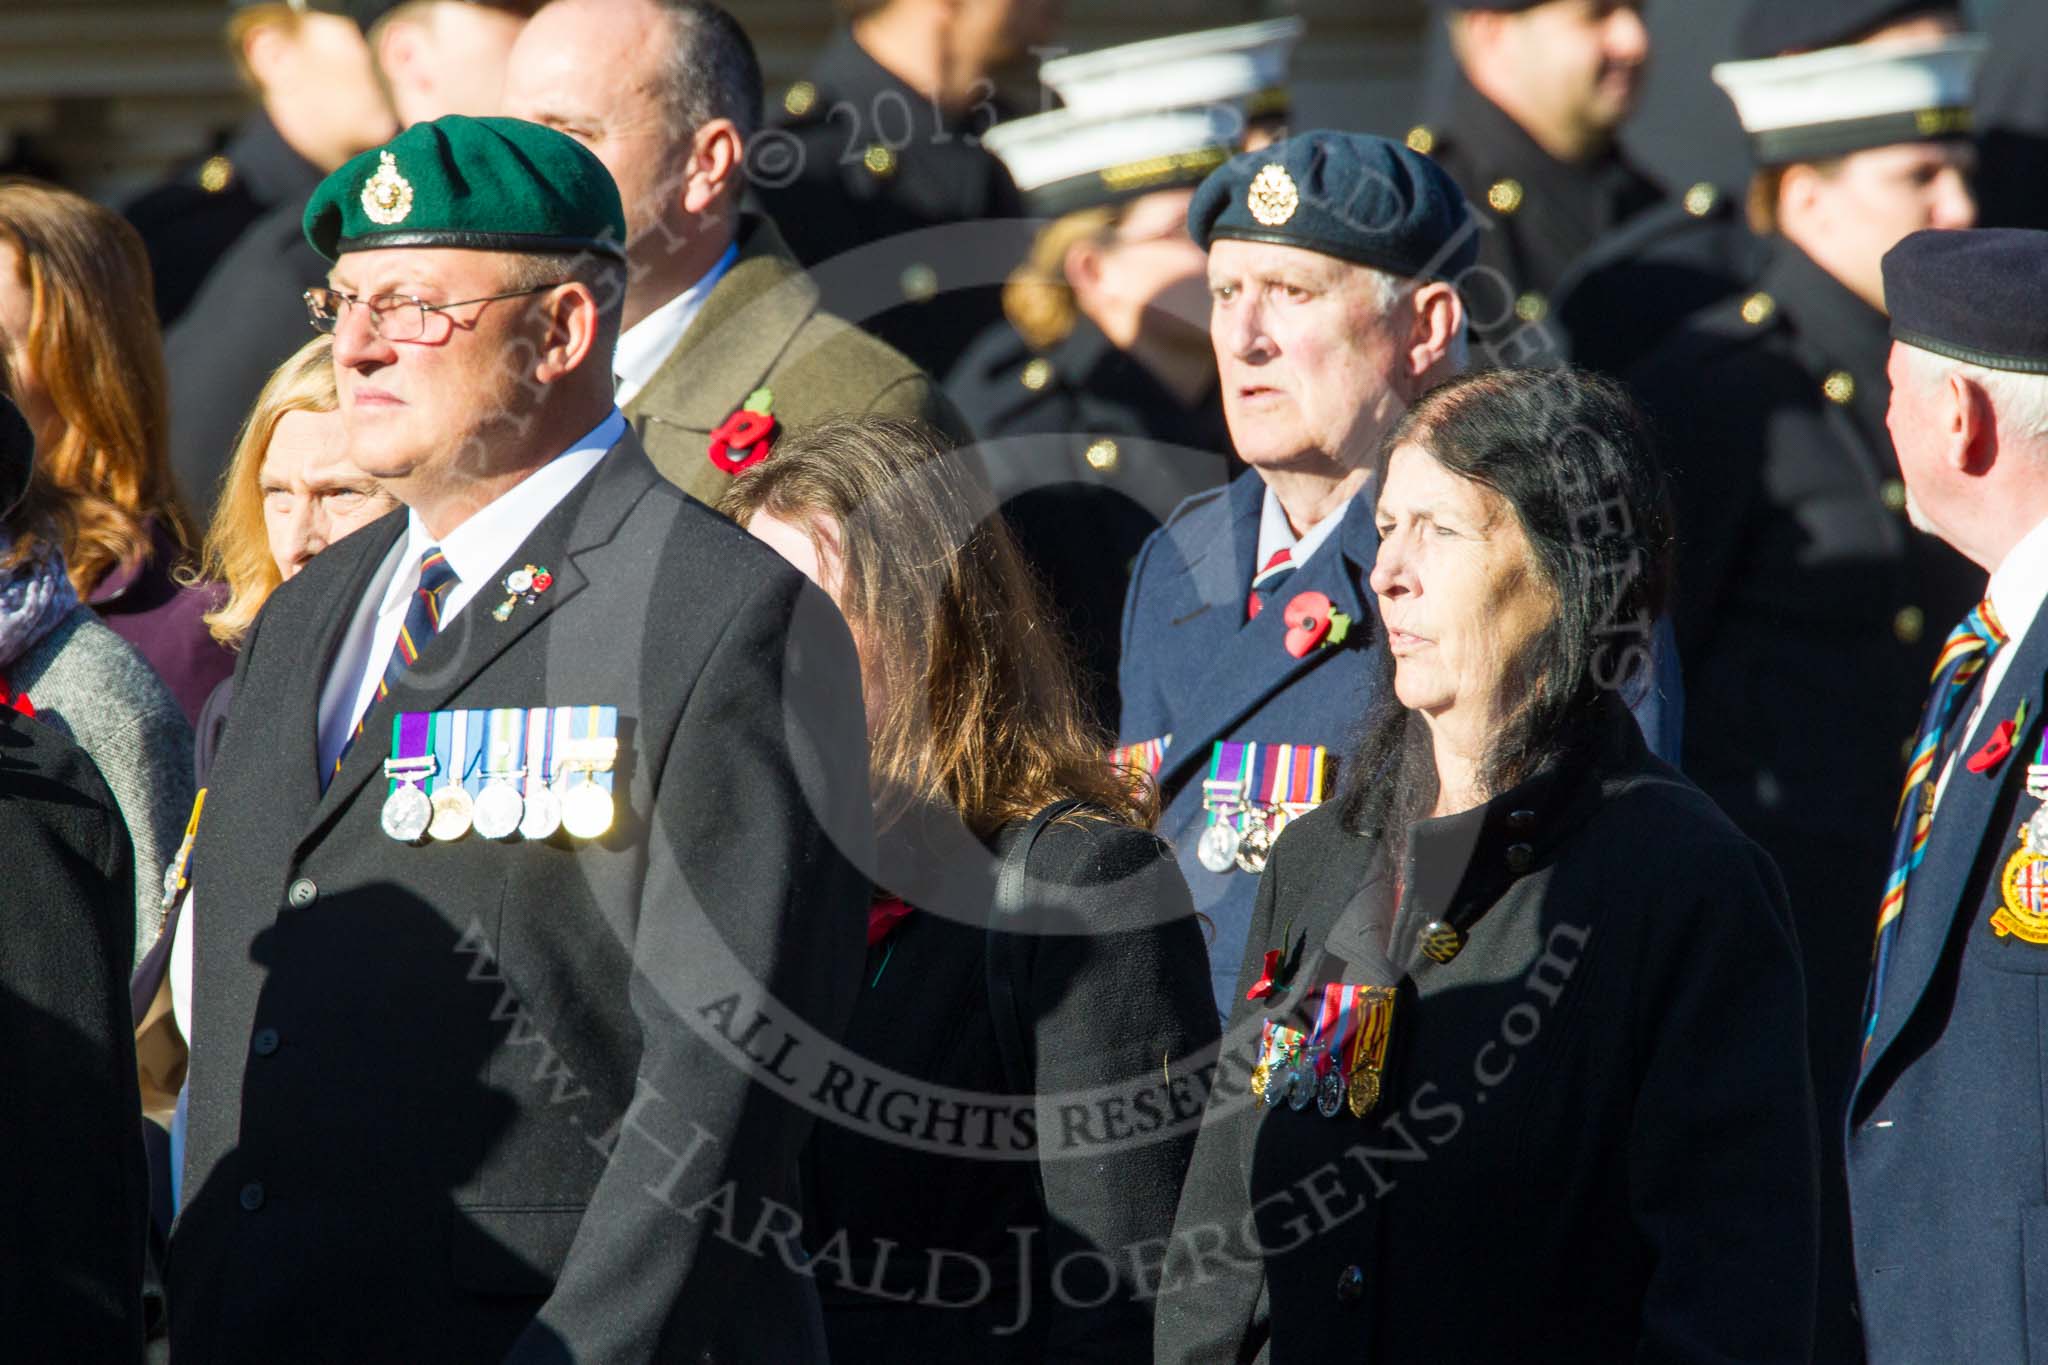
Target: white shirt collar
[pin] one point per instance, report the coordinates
(2020, 583)
(478, 548)
(643, 346)
(1275, 532)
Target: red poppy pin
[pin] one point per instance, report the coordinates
(1263, 987)
(1313, 622)
(1995, 749)
(744, 439)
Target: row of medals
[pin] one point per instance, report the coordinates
(504, 807)
(1294, 1082)
(1227, 844)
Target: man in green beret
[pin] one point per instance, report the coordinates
(527, 788)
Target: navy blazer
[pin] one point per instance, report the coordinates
(1946, 1144)
(1194, 668)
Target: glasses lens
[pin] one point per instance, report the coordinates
(323, 309)
(398, 318)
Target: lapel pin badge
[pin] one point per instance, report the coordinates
(524, 584)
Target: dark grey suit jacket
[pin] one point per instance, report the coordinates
(477, 1100)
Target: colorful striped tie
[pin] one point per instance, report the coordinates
(422, 622)
(1969, 648)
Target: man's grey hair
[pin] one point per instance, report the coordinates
(604, 275)
(710, 72)
(2020, 400)
(1392, 289)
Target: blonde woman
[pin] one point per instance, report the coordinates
(88, 373)
(1089, 984)
(290, 491)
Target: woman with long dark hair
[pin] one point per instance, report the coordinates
(1524, 1073)
(1035, 999)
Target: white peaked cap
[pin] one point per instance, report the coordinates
(1816, 105)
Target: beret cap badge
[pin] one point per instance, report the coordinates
(1272, 197)
(387, 195)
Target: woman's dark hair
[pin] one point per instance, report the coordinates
(1571, 456)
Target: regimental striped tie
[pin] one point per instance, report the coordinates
(1968, 651)
(422, 622)
(1267, 581)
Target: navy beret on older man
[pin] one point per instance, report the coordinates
(1354, 196)
(1978, 296)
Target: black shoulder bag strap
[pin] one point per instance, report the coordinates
(1012, 886)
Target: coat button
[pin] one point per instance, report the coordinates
(252, 1196)
(1521, 821)
(264, 1043)
(1520, 856)
(1440, 942)
(1350, 1285)
(302, 893)
(1909, 624)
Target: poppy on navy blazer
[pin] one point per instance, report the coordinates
(1195, 668)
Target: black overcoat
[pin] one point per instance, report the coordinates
(482, 1100)
(1595, 1140)
(74, 1196)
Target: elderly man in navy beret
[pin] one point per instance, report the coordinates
(525, 788)
(1945, 1137)
(1333, 268)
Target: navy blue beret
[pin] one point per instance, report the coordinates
(1350, 195)
(1770, 28)
(1978, 295)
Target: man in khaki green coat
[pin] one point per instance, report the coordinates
(720, 320)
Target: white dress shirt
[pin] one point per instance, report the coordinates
(476, 550)
(1276, 534)
(648, 342)
(2017, 589)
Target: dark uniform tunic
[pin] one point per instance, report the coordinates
(190, 220)
(1089, 454)
(871, 183)
(1809, 615)
(247, 319)
(1636, 285)
(1536, 214)
(1594, 1135)
(1946, 1143)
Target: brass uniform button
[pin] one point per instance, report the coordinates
(880, 161)
(1102, 456)
(1440, 942)
(1894, 494)
(800, 99)
(1520, 858)
(1909, 624)
(1037, 374)
(1757, 308)
(1505, 196)
(1839, 386)
(1701, 198)
(216, 173)
(1532, 307)
(919, 283)
(1421, 139)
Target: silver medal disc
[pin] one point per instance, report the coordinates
(498, 810)
(1301, 1087)
(1330, 1094)
(1217, 850)
(2037, 830)
(543, 814)
(407, 813)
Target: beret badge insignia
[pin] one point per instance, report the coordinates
(1272, 198)
(387, 195)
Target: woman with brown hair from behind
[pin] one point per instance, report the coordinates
(81, 338)
(1080, 982)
